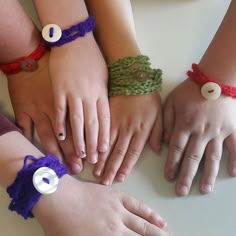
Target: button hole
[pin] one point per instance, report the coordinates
(46, 180)
(51, 32)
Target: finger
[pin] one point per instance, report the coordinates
(91, 132)
(156, 133)
(60, 114)
(102, 159)
(139, 209)
(116, 157)
(231, 146)
(142, 227)
(71, 158)
(131, 157)
(192, 157)
(77, 126)
(169, 119)
(129, 232)
(211, 165)
(176, 150)
(24, 122)
(46, 136)
(104, 124)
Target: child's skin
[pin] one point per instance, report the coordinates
(79, 79)
(31, 93)
(195, 127)
(79, 208)
(132, 121)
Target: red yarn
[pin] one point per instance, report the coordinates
(15, 67)
(201, 79)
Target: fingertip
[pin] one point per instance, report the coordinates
(103, 147)
(76, 168)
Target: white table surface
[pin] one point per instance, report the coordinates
(174, 34)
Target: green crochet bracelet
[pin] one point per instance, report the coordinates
(133, 76)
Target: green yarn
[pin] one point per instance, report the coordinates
(133, 76)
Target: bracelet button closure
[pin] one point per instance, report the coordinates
(141, 76)
(51, 33)
(211, 91)
(45, 180)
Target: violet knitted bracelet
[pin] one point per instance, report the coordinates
(54, 36)
(23, 190)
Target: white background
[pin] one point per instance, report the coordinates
(174, 34)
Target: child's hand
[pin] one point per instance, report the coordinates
(133, 120)
(195, 127)
(87, 209)
(32, 101)
(79, 79)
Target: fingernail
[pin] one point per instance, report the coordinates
(183, 190)
(61, 137)
(94, 158)
(103, 148)
(120, 178)
(233, 172)
(77, 168)
(106, 182)
(171, 175)
(206, 188)
(83, 154)
(162, 224)
(98, 172)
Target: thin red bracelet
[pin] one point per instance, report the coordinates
(202, 79)
(27, 63)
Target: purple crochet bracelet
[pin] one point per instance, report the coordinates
(22, 191)
(74, 32)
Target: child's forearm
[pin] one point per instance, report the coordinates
(60, 12)
(19, 36)
(14, 147)
(219, 61)
(114, 28)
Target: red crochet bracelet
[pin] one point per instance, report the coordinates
(28, 63)
(210, 89)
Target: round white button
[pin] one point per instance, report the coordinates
(45, 180)
(51, 33)
(211, 91)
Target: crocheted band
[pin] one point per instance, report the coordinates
(27, 63)
(133, 76)
(202, 80)
(23, 192)
(54, 36)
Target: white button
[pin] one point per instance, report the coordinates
(51, 33)
(211, 91)
(45, 180)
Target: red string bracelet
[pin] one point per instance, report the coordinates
(210, 87)
(27, 63)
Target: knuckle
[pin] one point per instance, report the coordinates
(60, 109)
(105, 118)
(111, 171)
(146, 228)
(119, 151)
(76, 117)
(133, 153)
(92, 122)
(214, 157)
(193, 157)
(177, 149)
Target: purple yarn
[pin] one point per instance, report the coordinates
(74, 32)
(22, 191)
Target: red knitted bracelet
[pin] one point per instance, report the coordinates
(211, 89)
(27, 63)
